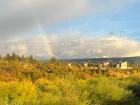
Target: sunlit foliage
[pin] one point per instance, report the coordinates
(26, 81)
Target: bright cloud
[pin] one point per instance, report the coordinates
(111, 46)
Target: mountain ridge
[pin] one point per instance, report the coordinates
(131, 60)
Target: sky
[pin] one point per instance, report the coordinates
(70, 28)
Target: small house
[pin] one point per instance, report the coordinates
(105, 63)
(122, 65)
(85, 64)
(70, 65)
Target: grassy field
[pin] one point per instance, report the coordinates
(25, 81)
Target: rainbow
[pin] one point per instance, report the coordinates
(40, 28)
(45, 40)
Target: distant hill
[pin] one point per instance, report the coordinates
(131, 60)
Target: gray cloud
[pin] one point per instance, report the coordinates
(22, 16)
(18, 16)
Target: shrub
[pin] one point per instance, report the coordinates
(18, 93)
(49, 99)
(104, 91)
(69, 93)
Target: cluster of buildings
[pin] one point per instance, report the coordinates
(107, 64)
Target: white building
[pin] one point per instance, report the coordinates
(69, 64)
(85, 64)
(106, 63)
(122, 65)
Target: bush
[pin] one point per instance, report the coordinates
(18, 93)
(104, 91)
(49, 99)
(69, 93)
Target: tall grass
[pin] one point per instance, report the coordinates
(97, 91)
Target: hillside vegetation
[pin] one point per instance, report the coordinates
(26, 81)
